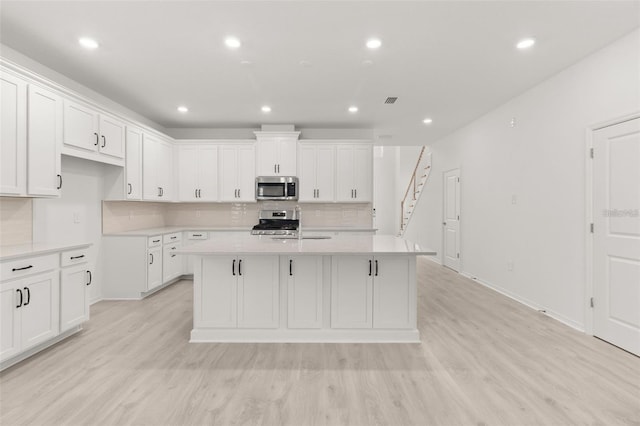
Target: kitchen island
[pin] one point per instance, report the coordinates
(283, 289)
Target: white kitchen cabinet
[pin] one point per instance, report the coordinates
(9, 321)
(74, 295)
(237, 172)
(237, 292)
(87, 132)
(13, 135)
(133, 163)
(304, 291)
(373, 292)
(154, 267)
(172, 264)
(276, 153)
(354, 173)
(192, 237)
(44, 141)
(198, 172)
(157, 169)
(316, 172)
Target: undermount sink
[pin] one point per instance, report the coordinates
(311, 237)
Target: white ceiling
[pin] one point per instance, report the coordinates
(449, 60)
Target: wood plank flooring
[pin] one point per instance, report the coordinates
(484, 360)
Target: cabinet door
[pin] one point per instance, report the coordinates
(287, 156)
(326, 173)
(74, 297)
(150, 158)
(304, 291)
(228, 173)
(9, 321)
(344, 173)
(188, 173)
(258, 292)
(246, 173)
(39, 313)
(217, 292)
(363, 174)
(111, 136)
(133, 163)
(208, 173)
(307, 173)
(154, 268)
(393, 292)
(44, 140)
(165, 171)
(80, 126)
(351, 292)
(267, 157)
(13, 136)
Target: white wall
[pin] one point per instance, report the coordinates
(384, 187)
(540, 162)
(82, 193)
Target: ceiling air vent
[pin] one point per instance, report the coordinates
(391, 100)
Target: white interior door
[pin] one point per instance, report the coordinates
(616, 242)
(451, 220)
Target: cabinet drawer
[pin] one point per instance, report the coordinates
(74, 257)
(172, 238)
(155, 241)
(29, 265)
(197, 235)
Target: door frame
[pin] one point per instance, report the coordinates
(442, 217)
(589, 213)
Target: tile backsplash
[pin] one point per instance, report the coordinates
(16, 220)
(120, 216)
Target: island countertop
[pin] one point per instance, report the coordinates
(343, 245)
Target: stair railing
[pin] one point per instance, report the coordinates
(412, 183)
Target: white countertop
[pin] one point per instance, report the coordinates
(352, 244)
(33, 249)
(148, 232)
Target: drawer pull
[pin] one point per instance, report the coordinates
(196, 235)
(21, 269)
(174, 237)
(156, 241)
(77, 257)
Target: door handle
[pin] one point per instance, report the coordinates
(376, 267)
(369, 267)
(355, 191)
(240, 267)
(278, 168)
(290, 267)
(104, 142)
(90, 277)
(275, 168)
(130, 188)
(159, 192)
(59, 182)
(444, 223)
(151, 254)
(97, 139)
(28, 296)
(19, 292)
(195, 192)
(233, 268)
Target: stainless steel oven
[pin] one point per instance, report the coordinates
(276, 188)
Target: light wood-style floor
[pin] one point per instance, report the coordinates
(484, 360)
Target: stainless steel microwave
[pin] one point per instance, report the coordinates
(276, 188)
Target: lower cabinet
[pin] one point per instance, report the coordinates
(373, 292)
(29, 316)
(304, 291)
(237, 292)
(74, 296)
(154, 268)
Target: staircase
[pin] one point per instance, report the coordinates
(416, 184)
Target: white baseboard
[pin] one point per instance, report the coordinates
(550, 313)
(434, 259)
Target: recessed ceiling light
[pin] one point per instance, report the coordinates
(183, 109)
(353, 109)
(526, 43)
(88, 43)
(374, 43)
(245, 63)
(266, 108)
(427, 121)
(232, 42)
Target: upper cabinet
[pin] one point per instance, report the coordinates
(354, 173)
(198, 172)
(237, 172)
(276, 153)
(133, 163)
(157, 169)
(93, 135)
(316, 171)
(13, 131)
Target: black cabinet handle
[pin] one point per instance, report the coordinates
(22, 269)
(240, 267)
(195, 191)
(90, 277)
(97, 139)
(173, 248)
(161, 191)
(196, 235)
(233, 268)
(151, 254)
(318, 192)
(355, 191)
(77, 257)
(28, 296)
(275, 169)
(19, 292)
(369, 267)
(199, 193)
(156, 241)
(104, 142)
(130, 188)
(173, 255)
(59, 182)
(238, 193)
(376, 268)
(290, 267)
(173, 238)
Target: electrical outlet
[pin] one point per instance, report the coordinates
(76, 217)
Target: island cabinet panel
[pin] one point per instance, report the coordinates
(351, 292)
(217, 288)
(258, 292)
(393, 292)
(304, 291)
